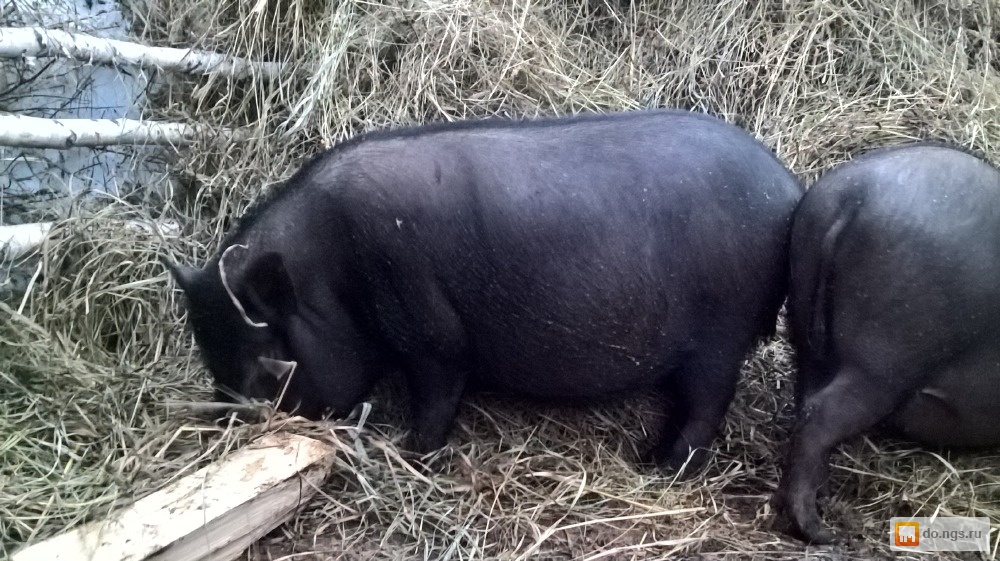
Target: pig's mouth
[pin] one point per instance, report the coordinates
(229, 404)
(313, 412)
(248, 410)
(283, 371)
(265, 387)
(277, 367)
(279, 374)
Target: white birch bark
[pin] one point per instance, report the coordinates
(36, 132)
(19, 239)
(16, 42)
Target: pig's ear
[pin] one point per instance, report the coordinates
(270, 295)
(186, 277)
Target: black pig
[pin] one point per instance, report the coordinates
(894, 308)
(561, 258)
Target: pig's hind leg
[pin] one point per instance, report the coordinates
(700, 389)
(851, 403)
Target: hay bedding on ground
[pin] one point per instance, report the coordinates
(99, 352)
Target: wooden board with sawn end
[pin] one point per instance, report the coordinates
(213, 514)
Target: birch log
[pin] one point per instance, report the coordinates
(211, 515)
(36, 132)
(16, 42)
(19, 239)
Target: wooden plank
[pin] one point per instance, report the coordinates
(211, 515)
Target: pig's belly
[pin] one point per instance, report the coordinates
(557, 368)
(609, 342)
(960, 408)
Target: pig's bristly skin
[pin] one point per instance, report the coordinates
(570, 258)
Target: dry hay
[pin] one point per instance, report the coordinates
(88, 372)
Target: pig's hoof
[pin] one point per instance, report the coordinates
(818, 536)
(678, 459)
(810, 532)
(422, 445)
(687, 462)
(805, 523)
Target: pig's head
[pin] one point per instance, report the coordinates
(246, 349)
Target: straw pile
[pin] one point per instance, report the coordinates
(88, 371)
